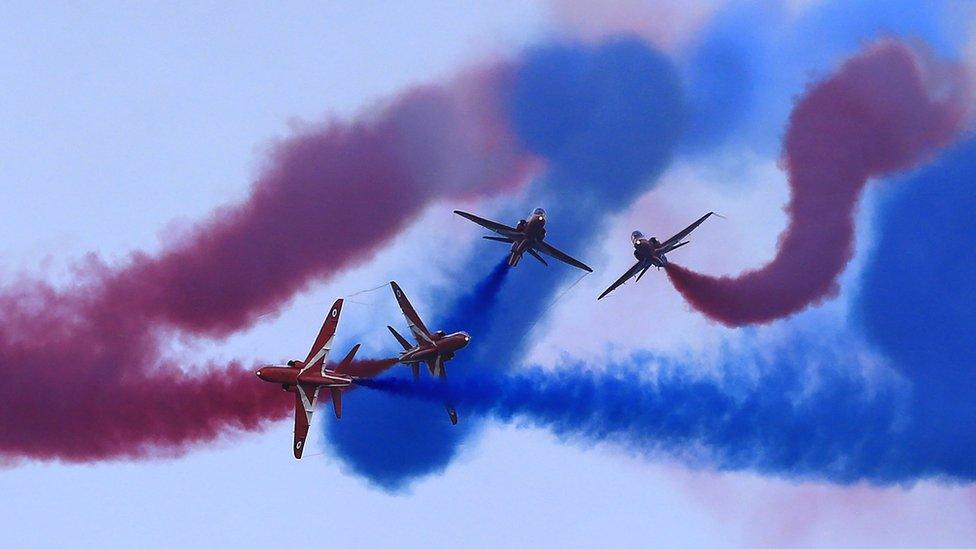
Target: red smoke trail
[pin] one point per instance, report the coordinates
(82, 372)
(329, 197)
(885, 110)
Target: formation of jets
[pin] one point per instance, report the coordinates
(306, 378)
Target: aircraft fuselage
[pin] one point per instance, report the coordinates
(289, 376)
(532, 230)
(444, 346)
(647, 250)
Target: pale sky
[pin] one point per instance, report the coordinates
(120, 121)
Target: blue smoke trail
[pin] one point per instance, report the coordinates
(473, 310)
(918, 304)
(842, 428)
(608, 119)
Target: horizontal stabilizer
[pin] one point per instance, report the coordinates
(498, 239)
(406, 344)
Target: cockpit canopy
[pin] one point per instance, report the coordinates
(637, 235)
(539, 212)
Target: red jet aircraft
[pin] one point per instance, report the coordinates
(650, 252)
(434, 349)
(306, 378)
(527, 236)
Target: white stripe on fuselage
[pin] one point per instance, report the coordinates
(331, 375)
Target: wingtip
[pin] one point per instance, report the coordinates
(335, 310)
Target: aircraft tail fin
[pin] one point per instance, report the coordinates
(406, 344)
(514, 258)
(346, 365)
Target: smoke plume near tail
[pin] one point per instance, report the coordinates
(472, 310)
(83, 372)
(887, 109)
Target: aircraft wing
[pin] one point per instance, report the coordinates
(626, 276)
(420, 332)
(499, 228)
(561, 256)
(670, 243)
(304, 406)
(323, 343)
